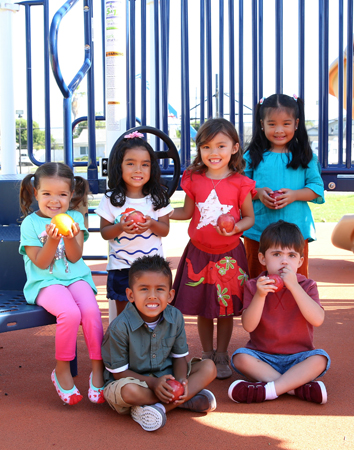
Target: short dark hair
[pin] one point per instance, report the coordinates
(155, 263)
(285, 234)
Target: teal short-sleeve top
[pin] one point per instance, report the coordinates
(273, 173)
(61, 271)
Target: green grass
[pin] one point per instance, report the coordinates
(332, 210)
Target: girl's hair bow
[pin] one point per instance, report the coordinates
(134, 134)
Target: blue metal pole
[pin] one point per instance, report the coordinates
(325, 81)
(279, 46)
(185, 139)
(202, 61)
(340, 81)
(260, 48)
(232, 60)
(240, 72)
(48, 143)
(254, 55)
(320, 81)
(301, 39)
(209, 61)
(221, 59)
(157, 64)
(131, 84)
(143, 62)
(349, 83)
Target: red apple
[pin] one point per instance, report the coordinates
(178, 389)
(275, 194)
(135, 216)
(278, 281)
(226, 222)
(63, 223)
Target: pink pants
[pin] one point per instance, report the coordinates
(73, 305)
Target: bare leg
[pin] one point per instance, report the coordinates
(120, 306)
(205, 330)
(97, 373)
(296, 376)
(202, 374)
(63, 373)
(224, 333)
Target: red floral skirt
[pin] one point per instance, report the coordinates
(211, 285)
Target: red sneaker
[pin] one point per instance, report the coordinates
(241, 391)
(315, 392)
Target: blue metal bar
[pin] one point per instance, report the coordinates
(48, 143)
(240, 72)
(103, 37)
(143, 63)
(260, 48)
(325, 81)
(202, 61)
(254, 55)
(185, 122)
(92, 172)
(340, 81)
(157, 64)
(220, 92)
(320, 81)
(279, 46)
(164, 71)
(131, 84)
(209, 60)
(232, 60)
(301, 38)
(349, 82)
(66, 90)
(127, 70)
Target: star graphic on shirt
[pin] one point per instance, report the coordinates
(211, 209)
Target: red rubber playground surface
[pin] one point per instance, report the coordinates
(33, 417)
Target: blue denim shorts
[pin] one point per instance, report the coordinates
(282, 363)
(117, 282)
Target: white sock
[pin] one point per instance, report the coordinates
(270, 391)
(160, 405)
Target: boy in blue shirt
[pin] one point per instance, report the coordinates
(146, 345)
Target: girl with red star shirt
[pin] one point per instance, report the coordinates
(213, 268)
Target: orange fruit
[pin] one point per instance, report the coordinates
(63, 223)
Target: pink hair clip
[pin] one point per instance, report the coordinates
(261, 100)
(134, 134)
(295, 97)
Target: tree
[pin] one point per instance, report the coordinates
(38, 135)
(83, 125)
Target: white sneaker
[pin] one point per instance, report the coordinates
(149, 417)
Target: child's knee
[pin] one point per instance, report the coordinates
(130, 393)
(70, 317)
(241, 360)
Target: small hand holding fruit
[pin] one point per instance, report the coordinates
(278, 281)
(131, 221)
(177, 389)
(62, 225)
(225, 225)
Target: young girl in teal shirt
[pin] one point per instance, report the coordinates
(279, 158)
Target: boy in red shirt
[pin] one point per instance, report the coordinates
(280, 354)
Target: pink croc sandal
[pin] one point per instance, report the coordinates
(70, 397)
(95, 395)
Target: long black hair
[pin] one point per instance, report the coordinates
(116, 184)
(298, 147)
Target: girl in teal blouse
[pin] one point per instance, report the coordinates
(287, 173)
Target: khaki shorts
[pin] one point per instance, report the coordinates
(112, 392)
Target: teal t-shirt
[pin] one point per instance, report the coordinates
(273, 173)
(61, 271)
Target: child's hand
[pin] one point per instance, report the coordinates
(222, 231)
(75, 230)
(52, 232)
(182, 398)
(289, 277)
(128, 225)
(265, 285)
(162, 389)
(264, 197)
(141, 227)
(287, 196)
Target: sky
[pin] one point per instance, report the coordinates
(71, 55)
